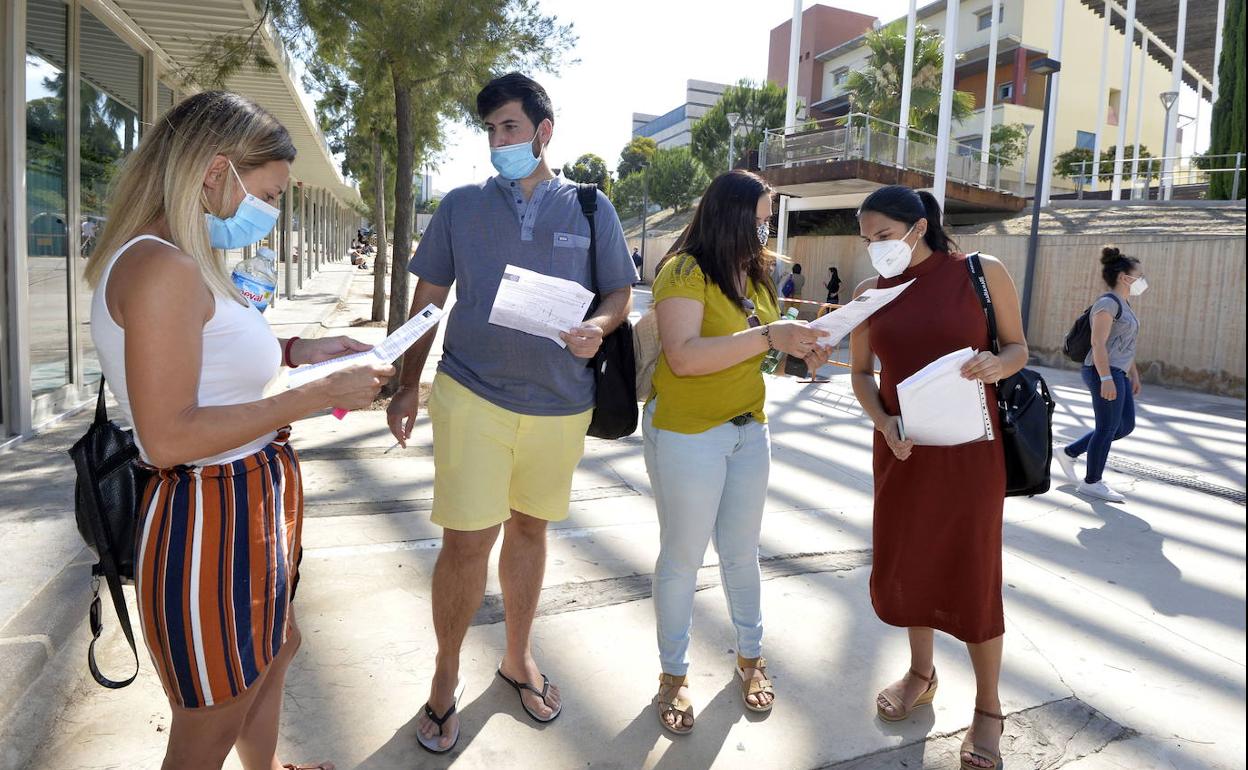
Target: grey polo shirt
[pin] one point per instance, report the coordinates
(480, 229)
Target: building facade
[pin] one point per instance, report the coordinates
(823, 28)
(674, 128)
(80, 81)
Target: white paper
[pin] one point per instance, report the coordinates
(391, 348)
(844, 319)
(538, 304)
(940, 407)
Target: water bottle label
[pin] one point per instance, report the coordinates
(258, 294)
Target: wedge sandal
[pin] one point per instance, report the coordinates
(674, 704)
(751, 686)
(996, 763)
(899, 707)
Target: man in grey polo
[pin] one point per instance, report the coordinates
(509, 409)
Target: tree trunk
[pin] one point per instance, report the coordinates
(402, 211)
(379, 227)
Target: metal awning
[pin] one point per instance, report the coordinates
(1161, 17)
(178, 30)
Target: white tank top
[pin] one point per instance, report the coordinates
(241, 356)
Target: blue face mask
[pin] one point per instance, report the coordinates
(253, 220)
(515, 161)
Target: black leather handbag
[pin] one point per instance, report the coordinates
(615, 369)
(107, 496)
(1026, 409)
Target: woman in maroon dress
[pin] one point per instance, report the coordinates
(937, 529)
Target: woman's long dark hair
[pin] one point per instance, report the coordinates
(723, 236)
(903, 204)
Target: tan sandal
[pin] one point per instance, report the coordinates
(751, 686)
(317, 766)
(982, 753)
(677, 705)
(901, 712)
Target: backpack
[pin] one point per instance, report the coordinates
(787, 289)
(1078, 342)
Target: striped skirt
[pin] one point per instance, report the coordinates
(217, 559)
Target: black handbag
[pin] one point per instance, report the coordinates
(1026, 410)
(107, 496)
(615, 369)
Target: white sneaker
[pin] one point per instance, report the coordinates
(1067, 463)
(1101, 490)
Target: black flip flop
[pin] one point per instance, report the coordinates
(522, 686)
(432, 747)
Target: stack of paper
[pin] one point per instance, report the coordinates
(940, 407)
(844, 319)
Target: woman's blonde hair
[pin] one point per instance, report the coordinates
(164, 177)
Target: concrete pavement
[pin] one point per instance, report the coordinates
(1125, 624)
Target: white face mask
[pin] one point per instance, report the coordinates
(891, 258)
(1138, 286)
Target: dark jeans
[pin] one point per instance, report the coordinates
(1114, 420)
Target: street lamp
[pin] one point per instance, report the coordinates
(1022, 182)
(733, 118)
(1046, 67)
(645, 206)
(1168, 98)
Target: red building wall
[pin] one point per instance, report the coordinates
(823, 27)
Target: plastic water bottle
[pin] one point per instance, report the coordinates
(772, 359)
(256, 278)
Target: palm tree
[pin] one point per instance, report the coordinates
(876, 90)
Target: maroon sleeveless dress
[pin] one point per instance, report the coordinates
(937, 530)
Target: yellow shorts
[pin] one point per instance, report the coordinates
(489, 461)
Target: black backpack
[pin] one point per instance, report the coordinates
(1078, 342)
(615, 369)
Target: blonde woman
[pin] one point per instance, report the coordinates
(218, 543)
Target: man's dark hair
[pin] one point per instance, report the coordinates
(514, 87)
(797, 269)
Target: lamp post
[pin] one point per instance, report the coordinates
(645, 209)
(733, 118)
(1168, 98)
(1022, 182)
(1046, 67)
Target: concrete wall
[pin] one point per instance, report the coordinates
(1192, 318)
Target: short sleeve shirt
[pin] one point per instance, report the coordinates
(475, 233)
(1122, 334)
(700, 402)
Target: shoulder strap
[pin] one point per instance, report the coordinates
(1117, 301)
(985, 297)
(587, 194)
(101, 410)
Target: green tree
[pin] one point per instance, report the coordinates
(1007, 141)
(589, 169)
(1229, 124)
(760, 106)
(876, 90)
(635, 155)
(1077, 162)
(429, 206)
(626, 196)
(676, 178)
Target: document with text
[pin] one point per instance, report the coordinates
(393, 346)
(538, 304)
(940, 407)
(844, 319)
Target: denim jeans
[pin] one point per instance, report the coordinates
(1114, 420)
(708, 486)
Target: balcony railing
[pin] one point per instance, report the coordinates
(858, 136)
(1138, 179)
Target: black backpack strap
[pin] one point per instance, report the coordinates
(1117, 301)
(980, 282)
(587, 194)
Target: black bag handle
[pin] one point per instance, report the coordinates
(107, 564)
(587, 194)
(985, 297)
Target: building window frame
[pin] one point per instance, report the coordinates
(839, 76)
(1005, 91)
(983, 18)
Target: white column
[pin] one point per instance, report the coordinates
(1217, 48)
(782, 226)
(946, 102)
(1124, 98)
(1055, 52)
(1200, 97)
(990, 96)
(1102, 95)
(795, 49)
(907, 81)
(1176, 85)
(1139, 117)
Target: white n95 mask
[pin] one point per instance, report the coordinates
(891, 258)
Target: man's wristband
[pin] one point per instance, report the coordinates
(290, 343)
(1107, 378)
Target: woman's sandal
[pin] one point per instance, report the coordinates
(900, 712)
(317, 766)
(751, 686)
(970, 748)
(675, 705)
(432, 746)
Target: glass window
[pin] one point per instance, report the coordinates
(1115, 99)
(112, 95)
(1085, 140)
(164, 99)
(840, 77)
(983, 19)
(1005, 92)
(47, 232)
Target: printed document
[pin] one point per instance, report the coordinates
(842, 321)
(940, 407)
(538, 304)
(390, 349)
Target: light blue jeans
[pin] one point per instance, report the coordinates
(708, 486)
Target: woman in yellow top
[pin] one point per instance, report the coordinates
(707, 449)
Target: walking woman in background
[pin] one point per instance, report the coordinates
(936, 564)
(833, 286)
(1110, 373)
(188, 359)
(707, 449)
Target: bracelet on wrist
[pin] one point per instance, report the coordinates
(767, 336)
(1107, 378)
(290, 343)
